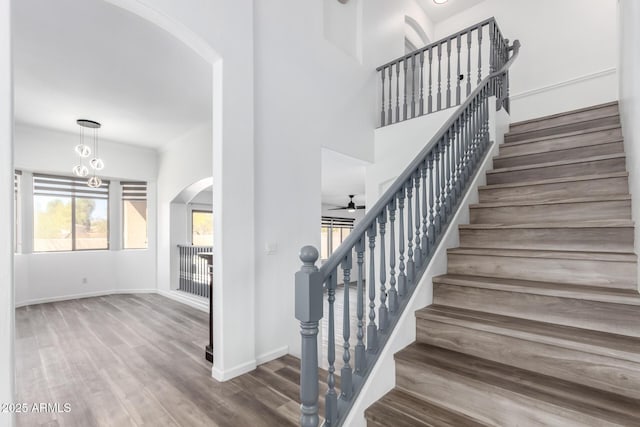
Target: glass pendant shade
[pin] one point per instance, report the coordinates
(83, 150)
(80, 170)
(97, 164)
(94, 182)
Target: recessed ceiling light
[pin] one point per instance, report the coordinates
(440, 1)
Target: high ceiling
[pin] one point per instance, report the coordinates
(440, 12)
(342, 175)
(88, 59)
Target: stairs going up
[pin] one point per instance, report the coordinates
(537, 321)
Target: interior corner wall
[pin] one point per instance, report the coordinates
(7, 377)
(567, 60)
(629, 65)
(82, 273)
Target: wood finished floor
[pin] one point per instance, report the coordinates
(138, 360)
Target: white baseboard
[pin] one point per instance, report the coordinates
(272, 355)
(568, 82)
(228, 374)
(84, 295)
(193, 301)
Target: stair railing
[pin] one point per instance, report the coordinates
(409, 220)
(435, 77)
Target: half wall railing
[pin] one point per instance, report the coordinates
(398, 236)
(442, 74)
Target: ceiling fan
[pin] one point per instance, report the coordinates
(351, 206)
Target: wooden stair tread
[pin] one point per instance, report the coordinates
(554, 180)
(399, 408)
(565, 113)
(610, 223)
(561, 126)
(516, 155)
(551, 254)
(560, 290)
(603, 343)
(562, 135)
(560, 393)
(558, 163)
(611, 198)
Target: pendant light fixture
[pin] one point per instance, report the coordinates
(84, 150)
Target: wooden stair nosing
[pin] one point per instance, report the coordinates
(554, 393)
(611, 198)
(558, 163)
(514, 134)
(612, 223)
(554, 181)
(565, 113)
(558, 151)
(574, 133)
(602, 343)
(541, 253)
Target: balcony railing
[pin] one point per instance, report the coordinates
(194, 271)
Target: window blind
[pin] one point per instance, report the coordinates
(64, 186)
(134, 190)
(329, 221)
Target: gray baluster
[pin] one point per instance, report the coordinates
(346, 377)
(404, 105)
(308, 310)
(417, 252)
(413, 86)
(361, 360)
(448, 73)
(436, 167)
(479, 54)
(459, 155)
(447, 170)
(411, 267)
(444, 214)
(430, 99)
(421, 83)
(372, 329)
(393, 293)
(439, 96)
(432, 228)
(383, 311)
(452, 161)
(458, 48)
(398, 91)
(492, 49)
(390, 111)
(402, 278)
(469, 62)
(331, 397)
(425, 212)
(382, 113)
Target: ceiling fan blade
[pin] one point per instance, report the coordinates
(337, 209)
(361, 207)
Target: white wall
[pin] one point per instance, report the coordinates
(44, 277)
(629, 66)
(567, 60)
(6, 216)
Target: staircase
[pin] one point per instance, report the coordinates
(537, 322)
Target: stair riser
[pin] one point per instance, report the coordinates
(595, 167)
(594, 370)
(600, 316)
(590, 114)
(487, 403)
(612, 239)
(514, 136)
(556, 191)
(554, 156)
(561, 142)
(585, 211)
(621, 275)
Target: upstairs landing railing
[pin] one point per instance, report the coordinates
(442, 74)
(404, 228)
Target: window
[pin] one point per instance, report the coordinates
(17, 235)
(201, 228)
(332, 233)
(134, 215)
(68, 215)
